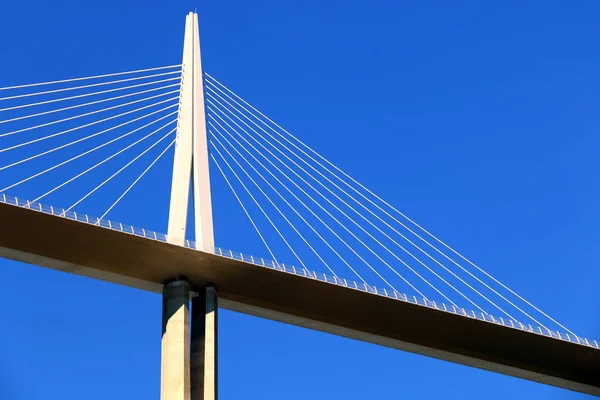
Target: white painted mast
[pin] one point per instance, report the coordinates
(191, 150)
(202, 199)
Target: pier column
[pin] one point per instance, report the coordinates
(175, 366)
(204, 345)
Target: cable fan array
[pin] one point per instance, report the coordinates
(300, 203)
(303, 207)
(72, 127)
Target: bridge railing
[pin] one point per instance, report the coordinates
(72, 215)
(290, 269)
(363, 287)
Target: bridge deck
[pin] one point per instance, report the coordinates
(93, 251)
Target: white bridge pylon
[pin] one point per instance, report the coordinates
(191, 150)
(189, 347)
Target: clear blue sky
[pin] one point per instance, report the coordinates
(479, 120)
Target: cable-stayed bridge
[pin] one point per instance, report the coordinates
(354, 265)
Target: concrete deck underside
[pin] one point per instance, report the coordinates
(96, 252)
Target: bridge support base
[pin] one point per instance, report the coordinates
(204, 345)
(175, 367)
(189, 356)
